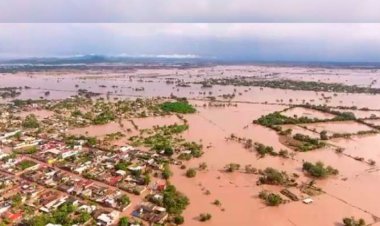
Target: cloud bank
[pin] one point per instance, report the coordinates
(239, 41)
(204, 11)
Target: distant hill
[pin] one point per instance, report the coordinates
(103, 59)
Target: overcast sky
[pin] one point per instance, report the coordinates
(291, 42)
(204, 11)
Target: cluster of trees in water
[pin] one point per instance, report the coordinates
(289, 84)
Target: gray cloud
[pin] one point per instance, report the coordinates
(207, 11)
(240, 41)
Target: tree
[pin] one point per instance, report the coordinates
(16, 200)
(202, 166)
(191, 172)
(124, 221)
(147, 179)
(204, 217)
(217, 202)
(168, 151)
(174, 201)
(84, 217)
(124, 200)
(319, 170)
(270, 199)
(232, 167)
(323, 135)
(182, 107)
(30, 122)
(273, 176)
(166, 173)
(273, 200)
(179, 219)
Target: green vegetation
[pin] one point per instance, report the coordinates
(283, 153)
(317, 86)
(63, 215)
(191, 173)
(202, 166)
(30, 122)
(174, 201)
(351, 221)
(276, 118)
(274, 177)
(29, 150)
(25, 164)
(123, 200)
(182, 107)
(166, 173)
(99, 111)
(160, 138)
(122, 165)
(204, 217)
(124, 221)
(103, 118)
(345, 116)
(168, 151)
(22, 103)
(16, 200)
(165, 140)
(231, 167)
(194, 148)
(179, 220)
(263, 150)
(113, 136)
(273, 120)
(250, 169)
(217, 202)
(323, 135)
(307, 143)
(271, 199)
(319, 170)
(9, 92)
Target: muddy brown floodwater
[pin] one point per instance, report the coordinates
(351, 193)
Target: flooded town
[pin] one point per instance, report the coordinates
(189, 144)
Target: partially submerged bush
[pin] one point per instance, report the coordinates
(204, 217)
(231, 167)
(319, 170)
(283, 153)
(273, 176)
(263, 150)
(217, 202)
(250, 169)
(351, 221)
(307, 143)
(202, 166)
(191, 172)
(179, 219)
(270, 199)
